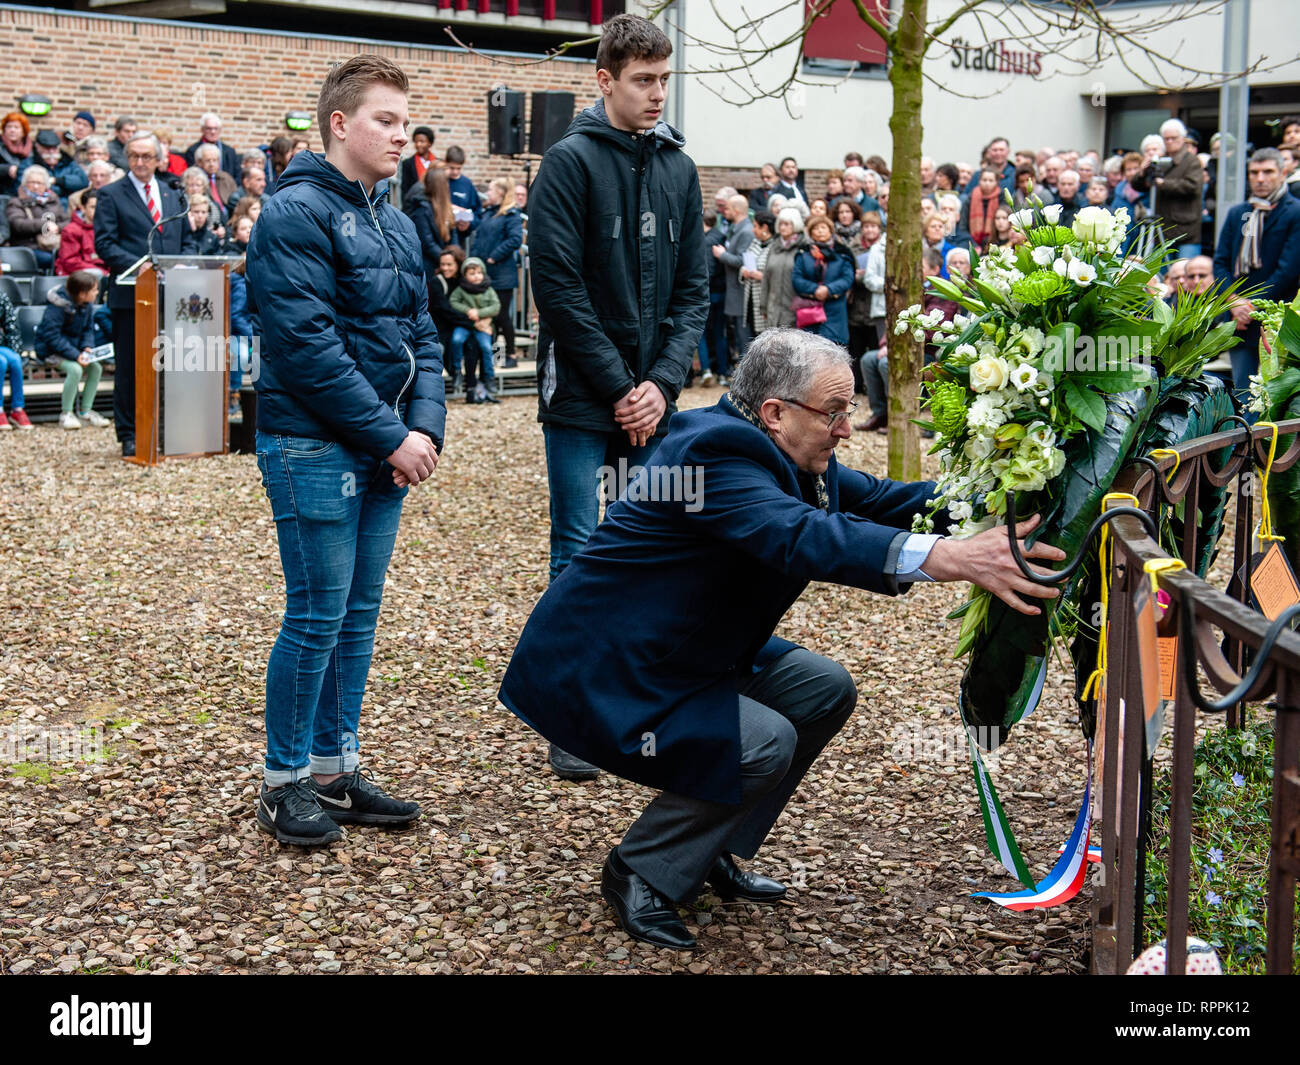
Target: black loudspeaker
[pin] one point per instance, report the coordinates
(552, 113)
(505, 122)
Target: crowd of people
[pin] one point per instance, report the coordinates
(52, 185)
(781, 257)
(778, 256)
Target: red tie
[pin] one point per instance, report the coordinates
(216, 196)
(154, 213)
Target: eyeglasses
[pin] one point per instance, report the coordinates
(136, 157)
(833, 418)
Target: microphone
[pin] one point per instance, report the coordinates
(172, 182)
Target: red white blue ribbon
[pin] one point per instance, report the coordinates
(1066, 877)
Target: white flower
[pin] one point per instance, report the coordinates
(1023, 377)
(1043, 256)
(1056, 462)
(978, 447)
(1258, 394)
(1022, 219)
(985, 412)
(1061, 266)
(1045, 383)
(901, 327)
(970, 527)
(918, 335)
(989, 374)
(960, 510)
(1032, 339)
(1052, 213)
(1094, 224)
(1082, 273)
(1040, 434)
(964, 351)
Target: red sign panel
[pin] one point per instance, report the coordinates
(838, 32)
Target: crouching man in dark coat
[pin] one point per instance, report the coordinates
(652, 654)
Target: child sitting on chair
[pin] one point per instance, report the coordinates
(478, 302)
(64, 340)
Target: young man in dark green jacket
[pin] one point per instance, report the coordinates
(621, 283)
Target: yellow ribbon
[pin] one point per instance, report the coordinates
(1156, 566)
(1264, 531)
(1105, 556)
(1163, 452)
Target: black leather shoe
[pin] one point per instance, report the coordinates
(731, 882)
(128, 448)
(568, 767)
(643, 912)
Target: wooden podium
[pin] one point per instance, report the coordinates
(182, 371)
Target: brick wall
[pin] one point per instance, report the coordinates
(167, 74)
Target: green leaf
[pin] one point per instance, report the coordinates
(1113, 381)
(1085, 404)
(1289, 335)
(946, 289)
(1162, 312)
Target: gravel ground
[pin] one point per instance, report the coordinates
(141, 609)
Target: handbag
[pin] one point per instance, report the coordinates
(808, 313)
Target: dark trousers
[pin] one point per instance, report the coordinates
(124, 373)
(505, 319)
(740, 331)
(788, 713)
(713, 341)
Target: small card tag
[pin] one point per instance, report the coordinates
(1167, 650)
(1272, 585)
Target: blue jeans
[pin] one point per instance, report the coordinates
(12, 368)
(713, 341)
(336, 513)
(484, 341)
(573, 461)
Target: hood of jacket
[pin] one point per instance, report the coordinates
(594, 122)
(59, 297)
(312, 168)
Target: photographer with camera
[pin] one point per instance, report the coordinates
(1177, 181)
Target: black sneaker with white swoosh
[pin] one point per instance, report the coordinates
(292, 814)
(355, 799)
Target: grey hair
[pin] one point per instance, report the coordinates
(1151, 140)
(252, 159)
(724, 193)
(94, 141)
(1267, 155)
(204, 149)
(781, 364)
(791, 214)
(210, 115)
(40, 172)
(1173, 125)
(196, 173)
(157, 144)
(90, 167)
(857, 173)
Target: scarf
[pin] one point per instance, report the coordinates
(751, 416)
(982, 210)
(1252, 229)
(482, 286)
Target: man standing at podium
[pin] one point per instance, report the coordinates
(350, 412)
(127, 210)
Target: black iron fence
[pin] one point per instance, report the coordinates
(1246, 660)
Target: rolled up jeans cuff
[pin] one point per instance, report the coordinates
(275, 778)
(344, 762)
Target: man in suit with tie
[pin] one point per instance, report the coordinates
(128, 209)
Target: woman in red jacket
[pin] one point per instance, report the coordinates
(77, 241)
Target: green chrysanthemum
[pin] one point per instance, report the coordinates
(1038, 288)
(1051, 236)
(948, 408)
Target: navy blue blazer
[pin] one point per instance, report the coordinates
(641, 643)
(1279, 249)
(122, 225)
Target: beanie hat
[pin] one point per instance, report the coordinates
(87, 116)
(474, 261)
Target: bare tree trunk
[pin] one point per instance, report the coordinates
(903, 252)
